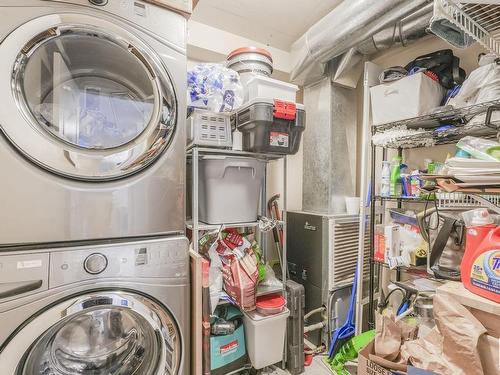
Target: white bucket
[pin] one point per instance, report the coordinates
(265, 337)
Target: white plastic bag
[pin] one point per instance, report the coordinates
(214, 87)
(215, 276)
(479, 148)
(482, 85)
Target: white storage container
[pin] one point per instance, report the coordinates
(205, 128)
(259, 86)
(409, 97)
(265, 337)
(229, 189)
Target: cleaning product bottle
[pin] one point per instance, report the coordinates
(396, 187)
(480, 266)
(350, 350)
(385, 179)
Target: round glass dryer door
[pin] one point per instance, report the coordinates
(106, 333)
(95, 101)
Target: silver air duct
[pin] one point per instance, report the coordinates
(351, 24)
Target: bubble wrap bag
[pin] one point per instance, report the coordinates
(214, 87)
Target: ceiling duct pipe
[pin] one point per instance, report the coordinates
(347, 26)
(409, 29)
(347, 68)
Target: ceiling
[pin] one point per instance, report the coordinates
(276, 23)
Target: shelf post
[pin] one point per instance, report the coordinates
(194, 197)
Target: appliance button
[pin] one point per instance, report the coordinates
(95, 263)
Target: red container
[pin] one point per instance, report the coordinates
(270, 304)
(480, 267)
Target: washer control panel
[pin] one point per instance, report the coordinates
(165, 258)
(95, 263)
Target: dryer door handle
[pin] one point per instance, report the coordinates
(13, 289)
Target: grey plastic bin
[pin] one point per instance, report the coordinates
(229, 189)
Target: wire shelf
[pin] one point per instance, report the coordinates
(450, 200)
(479, 21)
(425, 134)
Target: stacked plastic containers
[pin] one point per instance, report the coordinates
(270, 120)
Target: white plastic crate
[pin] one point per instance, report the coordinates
(209, 129)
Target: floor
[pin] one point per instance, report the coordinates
(316, 368)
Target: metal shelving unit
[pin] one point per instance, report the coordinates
(464, 124)
(196, 226)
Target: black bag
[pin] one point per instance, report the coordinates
(444, 231)
(444, 64)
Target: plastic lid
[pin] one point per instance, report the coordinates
(481, 217)
(265, 101)
(271, 301)
(260, 51)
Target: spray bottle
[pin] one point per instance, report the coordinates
(396, 187)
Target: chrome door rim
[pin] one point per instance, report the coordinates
(14, 353)
(66, 159)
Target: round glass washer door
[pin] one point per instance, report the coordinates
(112, 333)
(95, 102)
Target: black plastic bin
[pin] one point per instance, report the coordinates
(271, 126)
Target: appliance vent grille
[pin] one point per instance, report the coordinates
(344, 234)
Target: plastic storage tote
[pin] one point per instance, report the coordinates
(271, 126)
(409, 97)
(265, 337)
(229, 189)
(257, 86)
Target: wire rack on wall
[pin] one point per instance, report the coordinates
(478, 20)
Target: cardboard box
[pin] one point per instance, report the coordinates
(367, 367)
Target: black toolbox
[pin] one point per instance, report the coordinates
(271, 126)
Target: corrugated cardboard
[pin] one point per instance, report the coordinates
(368, 367)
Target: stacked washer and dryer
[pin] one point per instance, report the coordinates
(94, 267)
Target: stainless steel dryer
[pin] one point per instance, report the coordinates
(107, 309)
(92, 117)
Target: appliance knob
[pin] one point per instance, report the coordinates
(98, 2)
(95, 263)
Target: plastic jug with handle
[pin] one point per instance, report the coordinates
(481, 262)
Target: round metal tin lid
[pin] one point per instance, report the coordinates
(251, 49)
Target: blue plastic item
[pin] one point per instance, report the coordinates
(462, 154)
(347, 330)
(399, 216)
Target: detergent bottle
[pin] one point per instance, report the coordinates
(480, 267)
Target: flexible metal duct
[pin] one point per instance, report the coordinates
(409, 29)
(347, 68)
(352, 23)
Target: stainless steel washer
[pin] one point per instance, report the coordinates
(92, 118)
(120, 308)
